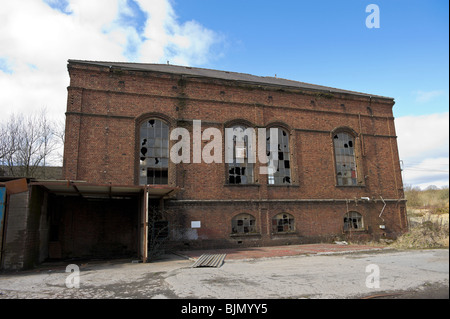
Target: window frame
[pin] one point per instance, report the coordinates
(348, 220)
(249, 168)
(284, 135)
(358, 179)
(160, 154)
(246, 220)
(276, 223)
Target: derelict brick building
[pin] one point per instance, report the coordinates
(338, 173)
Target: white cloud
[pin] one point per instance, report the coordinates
(427, 96)
(37, 39)
(423, 136)
(188, 43)
(33, 34)
(423, 143)
(430, 171)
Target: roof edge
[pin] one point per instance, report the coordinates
(224, 75)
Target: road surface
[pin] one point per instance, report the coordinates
(378, 274)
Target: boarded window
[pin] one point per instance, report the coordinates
(243, 224)
(282, 175)
(154, 153)
(344, 151)
(353, 221)
(283, 223)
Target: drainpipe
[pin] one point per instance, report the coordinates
(382, 210)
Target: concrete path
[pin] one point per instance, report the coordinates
(348, 275)
(317, 275)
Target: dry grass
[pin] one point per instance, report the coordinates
(429, 231)
(428, 216)
(432, 198)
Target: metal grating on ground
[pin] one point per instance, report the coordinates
(209, 260)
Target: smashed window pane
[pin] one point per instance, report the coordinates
(154, 154)
(283, 223)
(283, 172)
(243, 224)
(345, 159)
(353, 221)
(240, 171)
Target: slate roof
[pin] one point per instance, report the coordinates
(223, 75)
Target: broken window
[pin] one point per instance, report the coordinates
(282, 175)
(344, 151)
(283, 223)
(353, 221)
(154, 153)
(240, 171)
(243, 224)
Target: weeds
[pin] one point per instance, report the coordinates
(428, 219)
(425, 232)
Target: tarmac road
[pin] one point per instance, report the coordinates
(400, 274)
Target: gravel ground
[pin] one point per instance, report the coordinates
(402, 274)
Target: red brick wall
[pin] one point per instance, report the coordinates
(106, 107)
(314, 222)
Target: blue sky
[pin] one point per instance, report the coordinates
(327, 42)
(323, 42)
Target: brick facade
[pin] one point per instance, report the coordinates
(107, 104)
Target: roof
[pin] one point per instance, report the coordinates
(89, 190)
(223, 75)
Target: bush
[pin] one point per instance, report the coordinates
(430, 198)
(439, 210)
(427, 233)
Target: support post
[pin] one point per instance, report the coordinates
(144, 235)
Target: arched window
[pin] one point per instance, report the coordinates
(240, 170)
(353, 221)
(243, 224)
(344, 152)
(154, 152)
(282, 175)
(283, 223)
